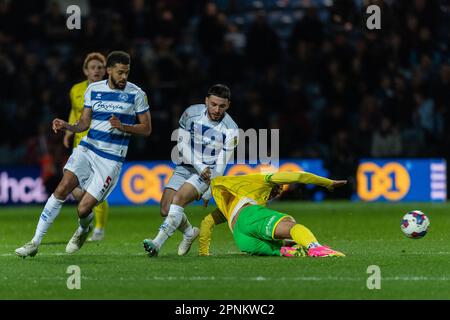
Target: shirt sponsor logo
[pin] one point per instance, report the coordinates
(100, 105)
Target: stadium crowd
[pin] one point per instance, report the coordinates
(335, 89)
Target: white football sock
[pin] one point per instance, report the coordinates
(186, 227)
(48, 215)
(85, 222)
(170, 224)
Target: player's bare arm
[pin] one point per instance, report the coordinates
(67, 136)
(82, 125)
(143, 128)
(338, 184)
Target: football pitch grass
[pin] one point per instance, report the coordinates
(118, 267)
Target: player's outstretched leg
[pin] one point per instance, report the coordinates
(48, 215)
(188, 192)
(51, 211)
(166, 230)
(175, 217)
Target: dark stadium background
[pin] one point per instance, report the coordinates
(336, 90)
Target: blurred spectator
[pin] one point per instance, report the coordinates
(211, 30)
(166, 26)
(54, 23)
(386, 141)
(225, 65)
(139, 20)
(308, 29)
(263, 44)
(427, 118)
(342, 162)
(236, 37)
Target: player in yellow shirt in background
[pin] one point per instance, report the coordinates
(257, 230)
(94, 68)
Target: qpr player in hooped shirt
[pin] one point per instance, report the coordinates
(114, 110)
(207, 137)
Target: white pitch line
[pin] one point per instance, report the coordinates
(228, 252)
(84, 254)
(240, 279)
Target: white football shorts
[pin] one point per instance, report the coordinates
(187, 173)
(96, 175)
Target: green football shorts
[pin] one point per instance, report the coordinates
(254, 231)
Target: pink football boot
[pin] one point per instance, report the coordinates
(291, 252)
(324, 251)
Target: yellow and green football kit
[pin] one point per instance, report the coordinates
(255, 226)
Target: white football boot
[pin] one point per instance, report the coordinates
(77, 240)
(186, 243)
(29, 249)
(97, 235)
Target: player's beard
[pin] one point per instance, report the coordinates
(118, 85)
(215, 117)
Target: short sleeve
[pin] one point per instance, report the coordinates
(189, 116)
(141, 103)
(87, 98)
(183, 119)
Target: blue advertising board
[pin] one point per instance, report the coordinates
(143, 182)
(402, 180)
(21, 185)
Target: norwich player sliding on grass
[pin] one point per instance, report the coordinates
(94, 68)
(257, 230)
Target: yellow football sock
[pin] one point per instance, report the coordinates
(302, 235)
(101, 214)
(206, 228)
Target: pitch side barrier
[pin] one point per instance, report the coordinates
(142, 183)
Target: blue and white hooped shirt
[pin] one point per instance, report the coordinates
(208, 138)
(126, 104)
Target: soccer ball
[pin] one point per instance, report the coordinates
(415, 224)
